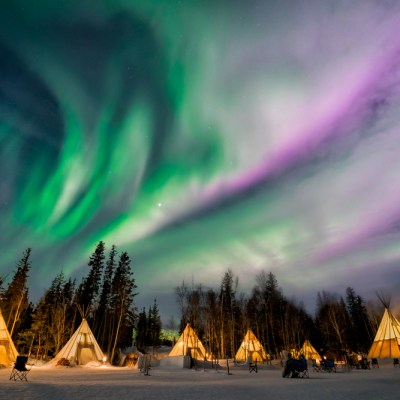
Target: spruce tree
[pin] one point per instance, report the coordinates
(227, 308)
(41, 343)
(154, 326)
(58, 299)
(15, 297)
(266, 310)
(361, 334)
(52, 318)
(103, 309)
(141, 331)
(91, 284)
(122, 295)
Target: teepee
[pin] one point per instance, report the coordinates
(8, 352)
(387, 339)
(309, 351)
(81, 349)
(189, 344)
(251, 347)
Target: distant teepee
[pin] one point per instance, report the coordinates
(8, 352)
(309, 351)
(189, 344)
(81, 349)
(387, 340)
(251, 347)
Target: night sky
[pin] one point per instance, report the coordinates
(201, 136)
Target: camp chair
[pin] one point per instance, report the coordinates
(396, 363)
(302, 372)
(374, 363)
(253, 367)
(19, 371)
(328, 365)
(301, 368)
(291, 369)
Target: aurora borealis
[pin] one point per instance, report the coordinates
(201, 136)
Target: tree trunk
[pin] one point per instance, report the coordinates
(17, 313)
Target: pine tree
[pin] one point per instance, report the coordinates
(268, 306)
(52, 318)
(38, 335)
(15, 297)
(122, 296)
(103, 310)
(154, 326)
(212, 323)
(227, 308)
(58, 299)
(141, 331)
(91, 284)
(361, 336)
(24, 325)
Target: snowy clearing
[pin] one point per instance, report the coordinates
(123, 383)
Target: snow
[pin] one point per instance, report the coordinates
(81, 383)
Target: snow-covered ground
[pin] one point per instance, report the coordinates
(107, 383)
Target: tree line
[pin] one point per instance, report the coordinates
(105, 296)
(221, 318)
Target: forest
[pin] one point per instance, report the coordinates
(340, 325)
(220, 316)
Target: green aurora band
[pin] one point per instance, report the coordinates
(197, 136)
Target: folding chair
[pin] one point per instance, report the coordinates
(19, 371)
(253, 367)
(301, 368)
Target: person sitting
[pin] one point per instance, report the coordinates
(330, 365)
(289, 370)
(302, 363)
(302, 367)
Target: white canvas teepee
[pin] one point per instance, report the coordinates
(251, 347)
(81, 349)
(189, 344)
(387, 339)
(309, 351)
(8, 352)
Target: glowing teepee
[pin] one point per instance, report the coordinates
(189, 344)
(309, 351)
(81, 349)
(8, 352)
(251, 347)
(387, 339)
